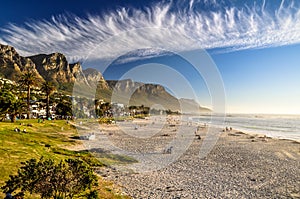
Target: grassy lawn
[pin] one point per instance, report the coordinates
(48, 139)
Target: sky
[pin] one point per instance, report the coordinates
(253, 45)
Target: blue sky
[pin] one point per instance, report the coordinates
(254, 44)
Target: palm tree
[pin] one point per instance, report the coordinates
(27, 79)
(16, 107)
(48, 88)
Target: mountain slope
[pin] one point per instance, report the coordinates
(191, 106)
(89, 82)
(12, 64)
(149, 95)
(55, 67)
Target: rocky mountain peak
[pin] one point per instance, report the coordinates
(126, 85)
(95, 78)
(55, 67)
(151, 88)
(12, 64)
(9, 50)
(55, 61)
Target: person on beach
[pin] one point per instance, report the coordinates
(168, 150)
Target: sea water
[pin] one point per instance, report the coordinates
(279, 126)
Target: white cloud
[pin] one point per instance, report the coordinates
(230, 28)
(141, 54)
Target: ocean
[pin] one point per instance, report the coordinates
(278, 126)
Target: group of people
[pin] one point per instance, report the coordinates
(19, 130)
(227, 129)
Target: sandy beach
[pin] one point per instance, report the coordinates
(240, 165)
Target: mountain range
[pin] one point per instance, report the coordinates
(56, 68)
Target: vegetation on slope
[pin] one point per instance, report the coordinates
(49, 140)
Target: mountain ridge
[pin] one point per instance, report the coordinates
(56, 68)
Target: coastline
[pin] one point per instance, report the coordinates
(267, 135)
(273, 125)
(240, 165)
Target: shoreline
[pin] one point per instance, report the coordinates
(250, 133)
(257, 127)
(240, 165)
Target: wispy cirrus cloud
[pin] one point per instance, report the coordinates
(230, 28)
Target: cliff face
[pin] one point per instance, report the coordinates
(12, 64)
(126, 85)
(142, 94)
(77, 73)
(55, 67)
(52, 67)
(95, 79)
(138, 88)
(150, 95)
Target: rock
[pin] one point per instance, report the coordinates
(55, 67)
(12, 64)
(95, 79)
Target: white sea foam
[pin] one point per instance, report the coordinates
(279, 126)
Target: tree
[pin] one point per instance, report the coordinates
(132, 110)
(6, 96)
(16, 108)
(144, 110)
(27, 79)
(9, 102)
(65, 179)
(104, 109)
(64, 109)
(64, 106)
(48, 88)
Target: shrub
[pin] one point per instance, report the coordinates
(65, 179)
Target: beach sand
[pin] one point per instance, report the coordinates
(240, 165)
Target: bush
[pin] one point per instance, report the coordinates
(93, 195)
(66, 179)
(106, 120)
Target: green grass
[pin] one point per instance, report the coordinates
(17, 147)
(111, 159)
(108, 120)
(49, 139)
